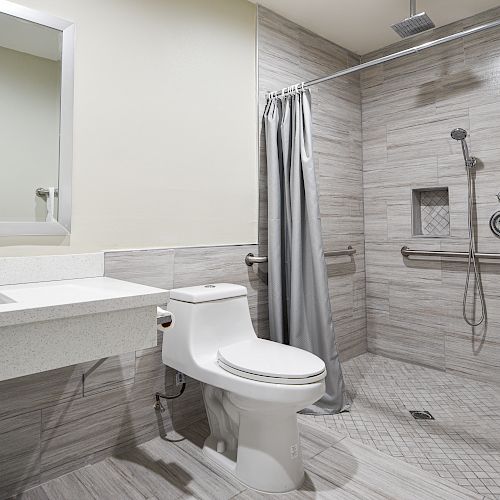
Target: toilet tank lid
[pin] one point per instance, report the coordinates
(207, 293)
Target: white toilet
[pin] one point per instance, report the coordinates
(252, 388)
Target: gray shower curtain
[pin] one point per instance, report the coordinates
(299, 303)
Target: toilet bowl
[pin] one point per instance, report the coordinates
(252, 388)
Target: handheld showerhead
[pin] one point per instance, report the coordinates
(459, 134)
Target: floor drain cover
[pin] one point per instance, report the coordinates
(421, 415)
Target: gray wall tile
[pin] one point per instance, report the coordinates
(108, 373)
(146, 267)
(19, 453)
(410, 105)
(24, 394)
(83, 431)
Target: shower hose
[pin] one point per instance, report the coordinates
(472, 263)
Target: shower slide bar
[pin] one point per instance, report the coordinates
(390, 57)
(407, 252)
(252, 259)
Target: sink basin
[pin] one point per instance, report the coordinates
(48, 325)
(5, 300)
(49, 300)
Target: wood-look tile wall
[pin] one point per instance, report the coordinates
(289, 54)
(54, 422)
(410, 105)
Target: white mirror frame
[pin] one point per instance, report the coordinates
(63, 224)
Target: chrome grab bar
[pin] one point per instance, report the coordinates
(252, 259)
(407, 252)
(337, 253)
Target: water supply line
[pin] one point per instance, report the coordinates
(472, 260)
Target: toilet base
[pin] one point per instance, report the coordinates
(257, 444)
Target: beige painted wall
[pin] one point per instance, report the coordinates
(29, 103)
(165, 128)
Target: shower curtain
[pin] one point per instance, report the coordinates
(299, 303)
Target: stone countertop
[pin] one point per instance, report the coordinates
(49, 300)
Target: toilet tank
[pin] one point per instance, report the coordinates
(206, 317)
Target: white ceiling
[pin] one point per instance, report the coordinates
(364, 25)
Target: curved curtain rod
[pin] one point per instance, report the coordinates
(390, 57)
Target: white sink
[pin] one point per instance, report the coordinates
(52, 324)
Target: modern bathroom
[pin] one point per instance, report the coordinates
(249, 249)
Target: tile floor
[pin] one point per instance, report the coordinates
(377, 451)
(462, 444)
(337, 468)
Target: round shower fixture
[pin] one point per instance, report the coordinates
(495, 224)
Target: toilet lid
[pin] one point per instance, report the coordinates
(269, 361)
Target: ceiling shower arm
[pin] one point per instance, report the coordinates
(413, 7)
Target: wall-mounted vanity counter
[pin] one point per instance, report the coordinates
(69, 320)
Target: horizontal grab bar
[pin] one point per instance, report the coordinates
(407, 252)
(252, 259)
(337, 253)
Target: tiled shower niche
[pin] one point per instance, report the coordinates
(431, 212)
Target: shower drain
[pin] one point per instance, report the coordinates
(421, 415)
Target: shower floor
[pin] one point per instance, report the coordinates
(462, 444)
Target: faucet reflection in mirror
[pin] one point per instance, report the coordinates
(50, 196)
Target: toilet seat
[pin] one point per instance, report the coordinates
(268, 361)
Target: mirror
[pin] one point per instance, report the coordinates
(36, 103)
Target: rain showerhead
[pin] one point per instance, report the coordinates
(416, 23)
